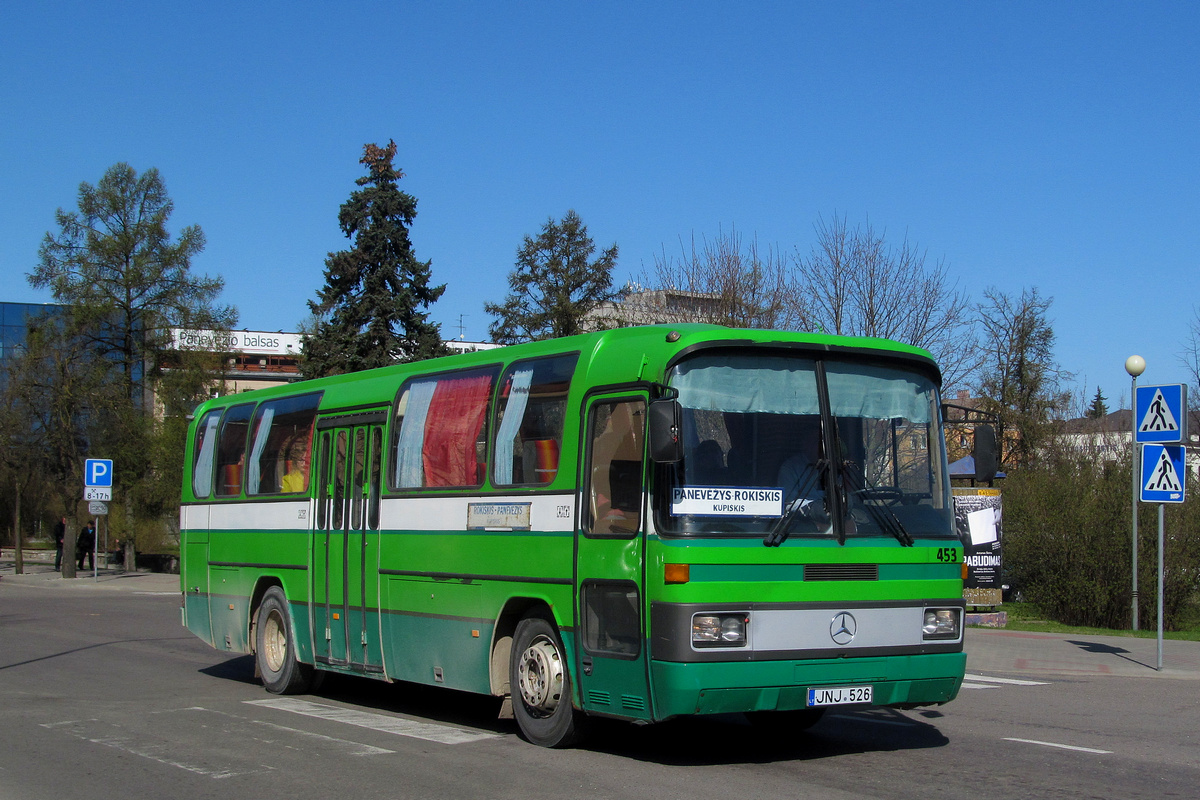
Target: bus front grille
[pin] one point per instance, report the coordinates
(841, 572)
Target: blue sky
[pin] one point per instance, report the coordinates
(1048, 145)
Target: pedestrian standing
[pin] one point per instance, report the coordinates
(86, 543)
(60, 533)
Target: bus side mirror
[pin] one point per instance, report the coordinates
(987, 460)
(665, 425)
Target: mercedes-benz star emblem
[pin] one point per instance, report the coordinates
(843, 628)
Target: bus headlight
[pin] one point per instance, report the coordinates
(942, 623)
(720, 630)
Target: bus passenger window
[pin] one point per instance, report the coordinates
(281, 445)
(231, 450)
(530, 417)
(204, 452)
(441, 439)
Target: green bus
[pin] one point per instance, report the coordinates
(640, 523)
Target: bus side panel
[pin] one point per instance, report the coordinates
(434, 633)
(193, 570)
(249, 544)
(230, 603)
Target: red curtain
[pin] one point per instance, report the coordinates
(456, 415)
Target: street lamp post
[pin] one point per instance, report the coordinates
(1134, 365)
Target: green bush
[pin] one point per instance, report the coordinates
(1067, 544)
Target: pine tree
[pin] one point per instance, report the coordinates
(369, 314)
(1098, 409)
(554, 284)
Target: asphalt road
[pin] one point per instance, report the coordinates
(104, 695)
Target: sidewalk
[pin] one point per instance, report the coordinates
(1032, 654)
(39, 572)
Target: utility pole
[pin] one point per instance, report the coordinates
(1135, 366)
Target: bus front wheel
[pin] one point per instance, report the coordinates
(274, 651)
(541, 686)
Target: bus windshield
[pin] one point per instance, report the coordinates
(791, 445)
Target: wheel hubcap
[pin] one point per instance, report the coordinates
(540, 675)
(274, 642)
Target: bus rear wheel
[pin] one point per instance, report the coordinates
(540, 685)
(274, 649)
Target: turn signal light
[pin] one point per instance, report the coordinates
(677, 573)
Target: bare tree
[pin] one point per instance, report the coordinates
(723, 281)
(1021, 381)
(853, 283)
(1190, 358)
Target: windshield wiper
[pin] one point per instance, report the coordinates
(883, 516)
(796, 504)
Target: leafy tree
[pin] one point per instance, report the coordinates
(1098, 409)
(854, 283)
(126, 283)
(52, 389)
(554, 284)
(1020, 380)
(1066, 542)
(368, 313)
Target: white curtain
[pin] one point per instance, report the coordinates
(202, 475)
(514, 412)
(410, 471)
(254, 469)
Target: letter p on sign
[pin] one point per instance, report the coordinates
(98, 472)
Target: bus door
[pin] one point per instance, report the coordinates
(346, 544)
(610, 547)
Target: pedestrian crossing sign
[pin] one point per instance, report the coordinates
(1160, 414)
(1164, 476)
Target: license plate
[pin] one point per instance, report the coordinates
(839, 695)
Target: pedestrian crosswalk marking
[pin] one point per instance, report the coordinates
(429, 731)
(1163, 477)
(1158, 418)
(1009, 681)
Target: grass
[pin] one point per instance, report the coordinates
(1027, 617)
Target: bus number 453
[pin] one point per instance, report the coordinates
(947, 554)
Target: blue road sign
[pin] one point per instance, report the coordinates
(98, 472)
(1160, 414)
(1164, 475)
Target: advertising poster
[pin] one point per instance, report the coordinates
(978, 520)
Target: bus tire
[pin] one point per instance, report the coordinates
(275, 650)
(540, 685)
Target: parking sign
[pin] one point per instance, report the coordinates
(98, 472)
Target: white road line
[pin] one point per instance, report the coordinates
(1009, 681)
(978, 686)
(1060, 746)
(351, 748)
(158, 752)
(428, 731)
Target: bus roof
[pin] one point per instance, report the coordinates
(617, 356)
